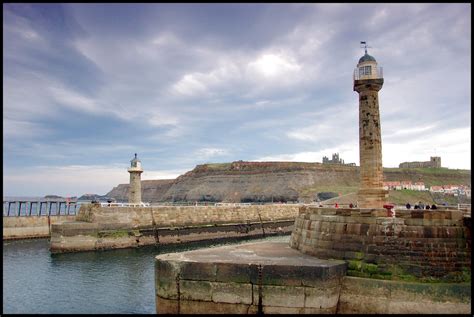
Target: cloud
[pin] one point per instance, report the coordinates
(85, 84)
(164, 174)
(271, 65)
(14, 129)
(73, 180)
(208, 153)
(348, 152)
(420, 148)
(68, 98)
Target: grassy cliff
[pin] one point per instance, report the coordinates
(242, 181)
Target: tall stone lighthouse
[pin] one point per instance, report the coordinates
(135, 190)
(368, 80)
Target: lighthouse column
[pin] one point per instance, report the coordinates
(371, 193)
(367, 82)
(135, 188)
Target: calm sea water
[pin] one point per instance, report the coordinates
(115, 281)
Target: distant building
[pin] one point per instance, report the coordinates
(335, 160)
(434, 162)
(396, 185)
(419, 186)
(456, 190)
(392, 185)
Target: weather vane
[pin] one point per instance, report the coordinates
(364, 45)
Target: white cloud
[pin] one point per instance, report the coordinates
(23, 129)
(453, 146)
(163, 174)
(73, 180)
(190, 85)
(163, 119)
(271, 65)
(347, 152)
(207, 153)
(74, 100)
(290, 84)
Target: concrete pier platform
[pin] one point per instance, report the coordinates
(272, 278)
(266, 277)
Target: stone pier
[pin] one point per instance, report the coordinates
(101, 228)
(265, 277)
(338, 261)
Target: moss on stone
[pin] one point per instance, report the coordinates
(370, 268)
(354, 265)
(381, 276)
(114, 234)
(359, 255)
(397, 272)
(357, 273)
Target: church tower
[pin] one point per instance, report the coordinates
(368, 80)
(135, 189)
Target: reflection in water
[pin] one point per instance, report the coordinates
(115, 281)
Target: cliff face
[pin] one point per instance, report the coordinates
(257, 181)
(152, 190)
(277, 181)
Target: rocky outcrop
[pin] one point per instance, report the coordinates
(257, 181)
(152, 190)
(273, 181)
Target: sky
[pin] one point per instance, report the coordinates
(85, 86)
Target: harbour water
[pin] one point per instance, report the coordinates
(115, 281)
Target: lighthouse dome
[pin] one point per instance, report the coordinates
(367, 58)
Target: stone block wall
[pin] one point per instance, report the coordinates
(189, 285)
(374, 296)
(164, 216)
(269, 277)
(98, 228)
(31, 227)
(415, 243)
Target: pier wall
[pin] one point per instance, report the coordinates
(414, 243)
(271, 277)
(99, 228)
(31, 227)
(374, 296)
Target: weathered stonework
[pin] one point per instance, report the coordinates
(270, 277)
(31, 227)
(249, 278)
(135, 192)
(371, 193)
(99, 228)
(423, 244)
(135, 189)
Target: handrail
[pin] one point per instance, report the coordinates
(378, 74)
(124, 205)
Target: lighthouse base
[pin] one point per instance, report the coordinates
(372, 197)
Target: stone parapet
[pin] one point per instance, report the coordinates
(421, 243)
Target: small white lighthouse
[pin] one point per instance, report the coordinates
(135, 190)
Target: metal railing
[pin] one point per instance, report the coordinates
(464, 206)
(189, 203)
(124, 205)
(26, 208)
(377, 73)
